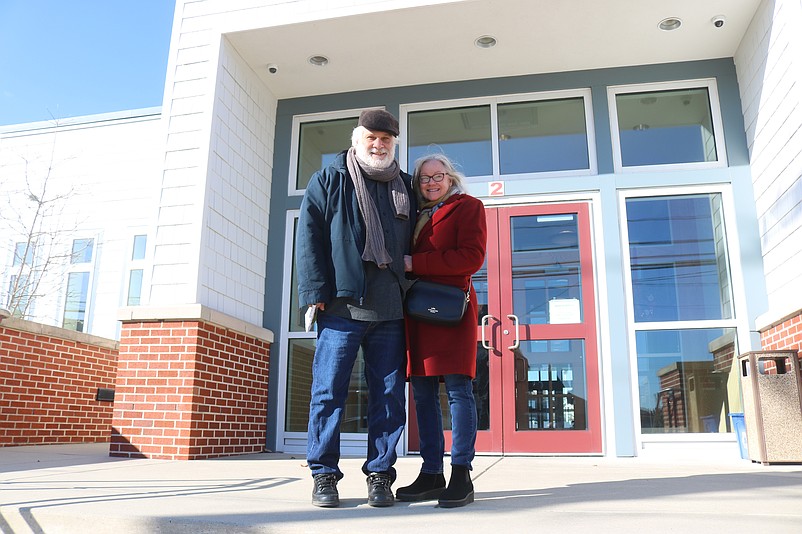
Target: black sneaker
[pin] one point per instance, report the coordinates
(325, 493)
(379, 492)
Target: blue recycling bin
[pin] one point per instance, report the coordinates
(739, 426)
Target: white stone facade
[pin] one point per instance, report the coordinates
(769, 66)
(106, 169)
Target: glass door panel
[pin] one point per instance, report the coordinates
(546, 330)
(536, 386)
(550, 389)
(546, 270)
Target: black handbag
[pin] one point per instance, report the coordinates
(435, 303)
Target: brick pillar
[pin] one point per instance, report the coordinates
(189, 389)
(784, 334)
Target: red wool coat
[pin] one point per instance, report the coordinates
(450, 249)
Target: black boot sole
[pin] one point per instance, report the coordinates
(456, 503)
(428, 495)
(380, 504)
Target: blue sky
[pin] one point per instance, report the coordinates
(67, 58)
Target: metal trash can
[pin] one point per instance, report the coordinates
(772, 399)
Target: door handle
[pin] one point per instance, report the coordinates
(485, 322)
(517, 343)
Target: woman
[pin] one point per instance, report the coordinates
(448, 247)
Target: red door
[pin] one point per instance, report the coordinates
(537, 384)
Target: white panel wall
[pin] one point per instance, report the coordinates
(211, 240)
(234, 241)
(769, 66)
(212, 224)
(107, 169)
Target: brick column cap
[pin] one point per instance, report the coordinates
(192, 312)
(24, 325)
(772, 318)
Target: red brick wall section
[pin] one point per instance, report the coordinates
(48, 386)
(784, 336)
(189, 390)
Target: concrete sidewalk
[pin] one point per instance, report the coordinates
(80, 489)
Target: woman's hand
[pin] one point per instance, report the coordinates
(407, 264)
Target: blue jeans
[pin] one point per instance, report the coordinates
(459, 388)
(384, 350)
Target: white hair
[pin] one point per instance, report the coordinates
(457, 178)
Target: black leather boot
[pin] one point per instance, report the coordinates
(379, 491)
(426, 487)
(460, 488)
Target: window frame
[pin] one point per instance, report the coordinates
(295, 442)
(739, 322)
(132, 264)
(74, 268)
(493, 102)
(295, 143)
(715, 116)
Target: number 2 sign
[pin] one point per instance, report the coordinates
(496, 189)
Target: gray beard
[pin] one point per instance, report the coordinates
(364, 156)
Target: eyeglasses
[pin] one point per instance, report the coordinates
(439, 177)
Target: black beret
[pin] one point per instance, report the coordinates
(378, 119)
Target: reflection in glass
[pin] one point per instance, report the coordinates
(687, 380)
(140, 242)
(23, 249)
(82, 250)
(319, 142)
(299, 390)
(678, 255)
(543, 136)
(296, 314)
(75, 303)
(546, 272)
(134, 287)
(551, 385)
(462, 133)
(665, 127)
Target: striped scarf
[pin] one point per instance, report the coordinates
(375, 249)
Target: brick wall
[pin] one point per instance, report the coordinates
(49, 379)
(786, 335)
(189, 389)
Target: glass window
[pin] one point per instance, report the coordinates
(134, 287)
(23, 250)
(544, 136)
(462, 133)
(319, 143)
(19, 295)
(550, 385)
(687, 380)
(138, 252)
(297, 319)
(301, 352)
(546, 269)
(665, 127)
(75, 307)
(299, 387)
(678, 258)
(82, 250)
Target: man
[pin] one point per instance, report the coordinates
(354, 229)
